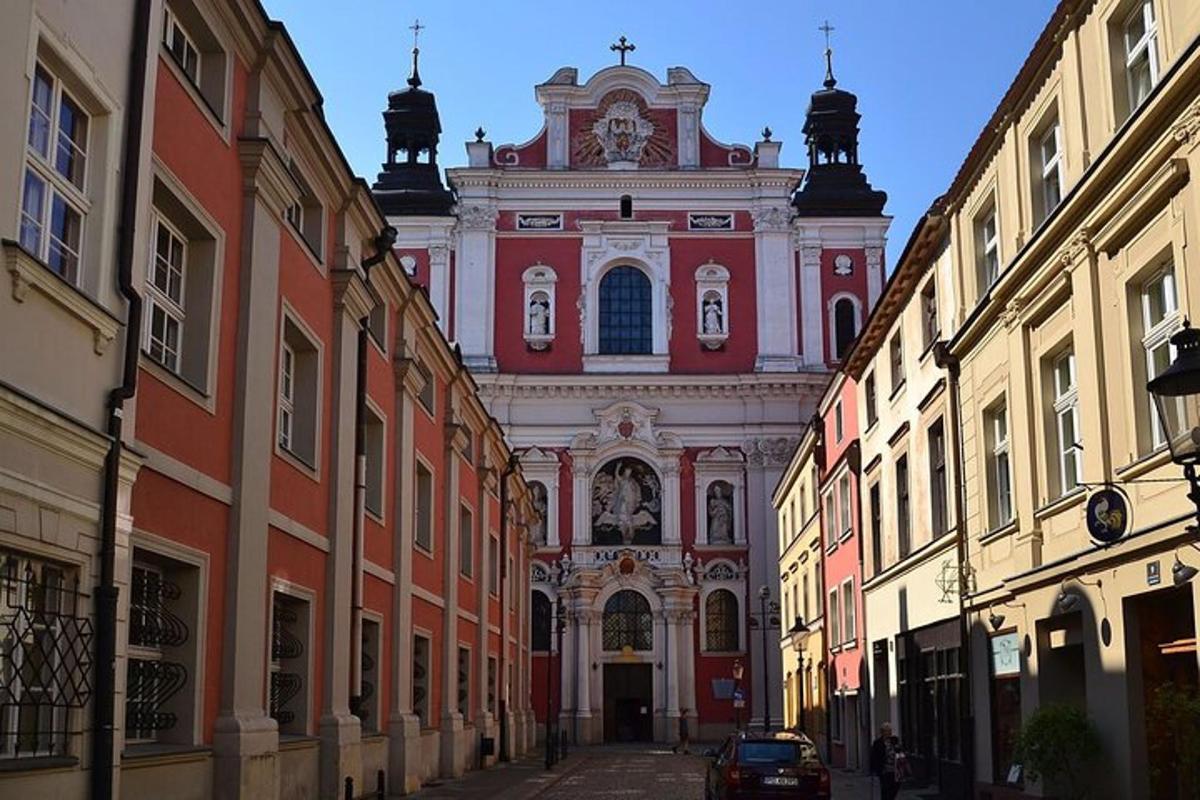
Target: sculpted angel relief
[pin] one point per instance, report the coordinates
(622, 130)
(626, 504)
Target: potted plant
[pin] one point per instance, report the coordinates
(1057, 745)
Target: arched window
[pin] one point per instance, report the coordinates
(542, 621)
(626, 315)
(628, 622)
(845, 326)
(721, 621)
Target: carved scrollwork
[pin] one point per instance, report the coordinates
(771, 219)
(477, 217)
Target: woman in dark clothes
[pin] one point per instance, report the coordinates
(885, 752)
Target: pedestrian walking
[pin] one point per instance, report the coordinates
(886, 758)
(683, 734)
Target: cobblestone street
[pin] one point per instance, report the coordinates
(616, 773)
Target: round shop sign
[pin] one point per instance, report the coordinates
(1107, 515)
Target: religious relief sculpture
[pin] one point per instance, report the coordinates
(540, 505)
(714, 315)
(623, 132)
(626, 504)
(720, 513)
(539, 314)
(539, 283)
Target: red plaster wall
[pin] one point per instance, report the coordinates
(713, 154)
(528, 156)
(513, 257)
(831, 284)
(737, 254)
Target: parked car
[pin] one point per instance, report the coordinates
(772, 766)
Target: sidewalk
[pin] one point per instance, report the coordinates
(515, 780)
(856, 786)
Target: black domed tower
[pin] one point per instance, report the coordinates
(835, 185)
(410, 183)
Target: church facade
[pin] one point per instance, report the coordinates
(651, 315)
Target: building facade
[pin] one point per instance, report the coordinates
(650, 314)
(313, 535)
(1069, 227)
(801, 585)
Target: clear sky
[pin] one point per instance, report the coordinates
(928, 73)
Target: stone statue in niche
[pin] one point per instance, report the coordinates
(714, 315)
(538, 529)
(626, 504)
(539, 315)
(720, 513)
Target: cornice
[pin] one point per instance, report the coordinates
(465, 177)
(802, 384)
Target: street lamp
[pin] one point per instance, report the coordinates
(1176, 394)
(560, 625)
(765, 619)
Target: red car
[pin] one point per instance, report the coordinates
(768, 766)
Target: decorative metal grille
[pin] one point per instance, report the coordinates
(284, 643)
(45, 657)
(284, 686)
(284, 646)
(720, 623)
(150, 684)
(626, 314)
(151, 621)
(628, 622)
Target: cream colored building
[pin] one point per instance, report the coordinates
(802, 643)
(1072, 229)
(909, 530)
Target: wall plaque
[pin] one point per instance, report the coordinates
(710, 222)
(539, 222)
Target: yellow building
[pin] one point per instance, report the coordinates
(802, 644)
(1073, 225)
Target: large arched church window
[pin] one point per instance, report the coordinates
(626, 504)
(721, 621)
(845, 326)
(626, 313)
(541, 622)
(628, 622)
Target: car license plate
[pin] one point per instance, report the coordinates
(781, 781)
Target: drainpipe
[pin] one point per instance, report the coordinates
(383, 245)
(509, 469)
(854, 458)
(949, 362)
(103, 735)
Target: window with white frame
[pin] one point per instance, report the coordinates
(837, 422)
(1049, 151)
(844, 505)
(871, 402)
(191, 45)
(1066, 421)
(306, 214)
(831, 520)
(835, 618)
(464, 682)
(1160, 319)
(903, 511)
(53, 200)
(930, 327)
(421, 678)
(938, 486)
(849, 625)
(181, 46)
(721, 621)
(466, 541)
(494, 565)
(845, 321)
(164, 296)
(987, 247)
(374, 445)
(423, 508)
(299, 365)
(1000, 508)
(289, 678)
(1140, 39)
(896, 359)
(367, 707)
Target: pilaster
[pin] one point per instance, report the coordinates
(452, 756)
(812, 344)
(475, 285)
(775, 280)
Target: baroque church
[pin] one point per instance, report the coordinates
(651, 315)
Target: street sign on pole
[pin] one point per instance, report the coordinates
(739, 698)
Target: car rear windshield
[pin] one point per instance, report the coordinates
(768, 753)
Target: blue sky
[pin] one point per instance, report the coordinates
(928, 73)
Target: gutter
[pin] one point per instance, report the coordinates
(102, 777)
(509, 469)
(949, 362)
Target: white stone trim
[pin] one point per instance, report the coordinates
(543, 466)
(539, 279)
(610, 244)
(720, 464)
(738, 588)
(831, 322)
(712, 279)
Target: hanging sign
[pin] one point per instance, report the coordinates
(1107, 515)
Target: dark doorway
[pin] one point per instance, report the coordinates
(628, 703)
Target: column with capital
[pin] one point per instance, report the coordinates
(775, 277)
(812, 319)
(585, 619)
(475, 284)
(439, 282)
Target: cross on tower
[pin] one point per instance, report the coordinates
(415, 79)
(830, 81)
(416, 28)
(623, 47)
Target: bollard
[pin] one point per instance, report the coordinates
(380, 785)
(349, 788)
(563, 745)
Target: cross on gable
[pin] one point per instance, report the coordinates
(623, 46)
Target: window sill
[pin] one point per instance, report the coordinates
(37, 763)
(27, 272)
(1062, 503)
(177, 383)
(211, 114)
(298, 461)
(1158, 457)
(297, 741)
(423, 550)
(374, 516)
(1000, 532)
(623, 364)
(899, 390)
(306, 246)
(156, 751)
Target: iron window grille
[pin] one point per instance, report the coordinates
(628, 622)
(285, 646)
(45, 657)
(152, 677)
(626, 314)
(541, 622)
(720, 623)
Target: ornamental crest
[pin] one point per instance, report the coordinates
(623, 131)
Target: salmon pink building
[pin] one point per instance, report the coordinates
(651, 314)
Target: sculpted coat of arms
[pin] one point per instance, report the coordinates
(622, 130)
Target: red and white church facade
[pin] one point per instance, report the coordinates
(651, 315)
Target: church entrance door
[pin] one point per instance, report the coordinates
(628, 703)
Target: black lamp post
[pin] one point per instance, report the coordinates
(766, 619)
(1176, 394)
(738, 669)
(560, 625)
